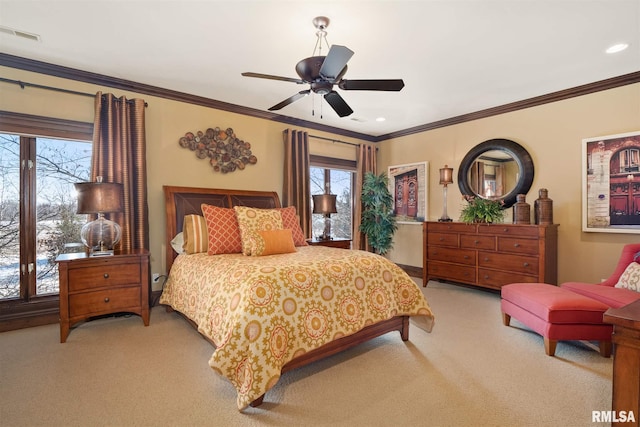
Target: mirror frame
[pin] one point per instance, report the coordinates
(519, 154)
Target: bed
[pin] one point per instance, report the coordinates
(266, 315)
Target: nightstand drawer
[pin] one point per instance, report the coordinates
(103, 276)
(107, 301)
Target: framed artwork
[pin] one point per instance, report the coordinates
(408, 186)
(611, 183)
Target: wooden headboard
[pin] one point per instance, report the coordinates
(181, 201)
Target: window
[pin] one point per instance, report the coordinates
(37, 211)
(334, 176)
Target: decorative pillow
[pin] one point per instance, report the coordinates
(194, 233)
(272, 242)
(630, 279)
(178, 242)
(223, 230)
(252, 220)
(291, 220)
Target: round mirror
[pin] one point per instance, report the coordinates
(497, 169)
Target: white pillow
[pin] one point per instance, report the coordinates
(630, 279)
(177, 243)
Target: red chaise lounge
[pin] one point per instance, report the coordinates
(572, 311)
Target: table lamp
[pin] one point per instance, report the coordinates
(446, 178)
(325, 204)
(100, 235)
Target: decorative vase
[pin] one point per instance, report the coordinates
(521, 210)
(543, 208)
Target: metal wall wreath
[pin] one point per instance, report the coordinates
(225, 151)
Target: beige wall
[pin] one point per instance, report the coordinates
(552, 133)
(166, 122)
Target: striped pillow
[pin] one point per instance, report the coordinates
(194, 232)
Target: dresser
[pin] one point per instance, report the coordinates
(489, 255)
(95, 286)
(626, 361)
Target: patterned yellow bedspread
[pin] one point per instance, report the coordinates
(261, 312)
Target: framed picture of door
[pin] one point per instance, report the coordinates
(611, 183)
(408, 186)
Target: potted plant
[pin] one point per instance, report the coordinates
(378, 222)
(482, 210)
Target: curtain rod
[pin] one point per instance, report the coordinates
(333, 140)
(55, 89)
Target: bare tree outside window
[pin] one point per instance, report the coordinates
(57, 164)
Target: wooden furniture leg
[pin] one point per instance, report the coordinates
(605, 348)
(550, 346)
(506, 319)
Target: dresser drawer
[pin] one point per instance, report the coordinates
(509, 230)
(450, 227)
(453, 272)
(106, 301)
(108, 275)
(496, 279)
(443, 239)
(471, 241)
(519, 246)
(510, 263)
(459, 256)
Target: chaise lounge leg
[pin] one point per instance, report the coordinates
(605, 348)
(506, 319)
(550, 346)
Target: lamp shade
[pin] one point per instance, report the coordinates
(324, 204)
(446, 175)
(99, 197)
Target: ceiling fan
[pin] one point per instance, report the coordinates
(323, 72)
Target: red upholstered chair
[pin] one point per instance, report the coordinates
(606, 291)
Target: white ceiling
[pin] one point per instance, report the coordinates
(455, 56)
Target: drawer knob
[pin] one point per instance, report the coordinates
(486, 276)
(516, 245)
(506, 230)
(466, 257)
(106, 299)
(441, 239)
(476, 242)
(106, 275)
(526, 264)
(486, 259)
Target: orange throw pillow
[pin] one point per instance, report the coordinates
(291, 220)
(223, 230)
(273, 242)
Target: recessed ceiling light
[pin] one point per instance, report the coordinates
(380, 119)
(617, 48)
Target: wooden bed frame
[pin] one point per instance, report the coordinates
(181, 201)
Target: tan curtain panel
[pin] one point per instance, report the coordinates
(365, 162)
(296, 191)
(119, 155)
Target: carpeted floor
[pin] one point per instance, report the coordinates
(470, 371)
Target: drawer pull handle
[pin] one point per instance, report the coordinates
(486, 276)
(441, 239)
(516, 245)
(106, 275)
(466, 257)
(486, 259)
(506, 230)
(526, 264)
(476, 242)
(106, 299)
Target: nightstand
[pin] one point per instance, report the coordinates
(334, 243)
(95, 286)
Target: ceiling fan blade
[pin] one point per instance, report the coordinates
(270, 77)
(291, 99)
(338, 104)
(335, 62)
(390, 85)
